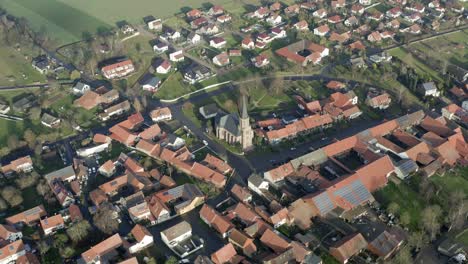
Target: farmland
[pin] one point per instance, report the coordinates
(68, 19)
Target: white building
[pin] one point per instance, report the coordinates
(160, 47)
(11, 252)
(9, 233)
(143, 239)
(176, 56)
(80, 88)
(176, 234)
(86, 152)
(365, 2)
(257, 184)
(429, 89)
(465, 105)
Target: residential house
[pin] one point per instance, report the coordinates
(20, 165)
(164, 67)
(176, 56)
(50, 121)
(183, 198)
(196, 73)
(217, 164)
(429, 89)
(161, 114)
(9, 233)
(351, 21)
(63, 195)
(194, 38)
(347, 247)
(143, 237)
(261, 61)
(153, 23)
(80, 88)
(456, 113)
(278, 33)
(385, 244)
(12, 252)
(118, 70)
(302, 26)
(160, 47)
(357, 9)
(103, 251)
(217, 42)
(243, 242)
(4, 108)
(193, 14)
(241, 193)
(322, 30)
(378, 100)
(66, 174)
(51, 224)
(225, 255)
(158, 209)
(261, 12)
(149, 83)
(221, 59)
(41, 63)
(176, 235)
(320, 13)
(27, 217)
(274, 20)
(209, 30)
(248, 43)
(257, 184)
(215, 220)
(224, 18)
(274, 241)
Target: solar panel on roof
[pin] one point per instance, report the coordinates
(31, 211)
(355, 193)
(324, 203)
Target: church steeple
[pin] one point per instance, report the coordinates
(244, 114)
(244, 123)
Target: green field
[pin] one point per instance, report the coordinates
(452, 47)
(16, 69)
(67, 19)
(421, 68)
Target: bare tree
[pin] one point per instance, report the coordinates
(458, 210)
(104, 219)
(79, 231)
(431, 220)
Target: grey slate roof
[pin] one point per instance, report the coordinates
(256, 180)
(60, 174)
(48, 119)
(177, 230)
(209, 110)
(149, 80)
(230, 122)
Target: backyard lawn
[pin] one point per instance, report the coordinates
(462, 237)
(408, 200)
(173, 87)
(457, 180)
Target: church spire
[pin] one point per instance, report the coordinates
(244, 114)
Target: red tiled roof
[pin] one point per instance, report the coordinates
(348, 247)
(116, 65)
(274, 241)
(224, 255)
